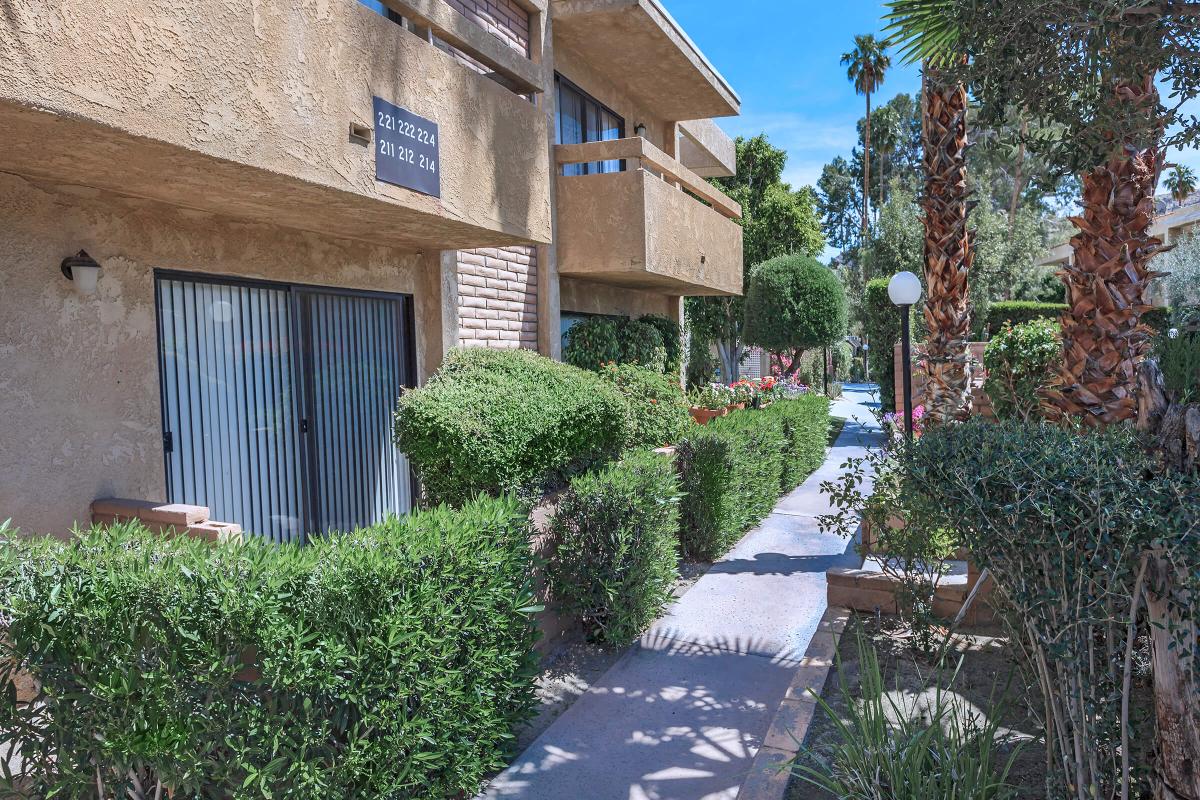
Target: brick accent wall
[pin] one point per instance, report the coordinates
(504, 19)
(497, 297)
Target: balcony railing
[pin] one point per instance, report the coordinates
(655, 225)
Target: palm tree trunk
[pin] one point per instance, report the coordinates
(949, 251)
(866, 172)
(1104, 339)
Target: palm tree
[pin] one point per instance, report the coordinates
(1181, 182)
(924, 36)
(866, 65)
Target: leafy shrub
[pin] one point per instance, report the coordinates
(1063, 522)
(794, 304)
(1179, 358)
(657, 410)
(672, 340)
(842, 355)
(1019, 311)
(493, 420)
(603, 340)
(1019, 361)
(1159, 318)
(731, 471)
(593, 343)
(712, 396)
(615, 546)
(701, 363)
(882, 326)
(805, 424)
(945, 749)
(391, 662)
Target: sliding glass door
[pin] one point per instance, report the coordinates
(277, 403)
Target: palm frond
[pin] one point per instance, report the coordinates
(924, 30)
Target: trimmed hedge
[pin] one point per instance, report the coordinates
(615, 546)
(1020, 311)
(658, 410)
(806, 432)
(733, 469)
(881, 323)
(490, 421)
(391, 662)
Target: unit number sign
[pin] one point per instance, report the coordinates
(406, 149)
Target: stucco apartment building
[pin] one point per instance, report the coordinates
(296, 209)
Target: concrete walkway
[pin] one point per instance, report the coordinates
(682, 714)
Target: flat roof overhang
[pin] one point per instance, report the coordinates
(638, 46)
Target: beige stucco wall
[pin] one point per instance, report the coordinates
(586, 297)
(79, 375)
(244, 108)
(573, 66)
(635, 229)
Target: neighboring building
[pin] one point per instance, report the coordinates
(263, 295)
(1172, 221)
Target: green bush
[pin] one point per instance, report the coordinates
(1019, 361)
(672, 340)
(793, 304)
(597, 341)
(881, 323)
(1019, 311)
(391, 662)
(1063, 521)
(493, 420)
(842, 355)
(805, 424)
(657, 409)
(1179, 358)
(733, 469)
(615, 551)
(1159, 318)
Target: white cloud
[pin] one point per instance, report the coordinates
(810, 143)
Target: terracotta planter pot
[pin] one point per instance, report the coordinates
(705, 415)
(736, 407)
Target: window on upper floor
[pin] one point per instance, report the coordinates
(582, 118)
(379, 8)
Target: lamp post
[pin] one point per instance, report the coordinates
(904, 290)
(866, 348)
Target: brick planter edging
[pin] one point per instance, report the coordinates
(769, 776)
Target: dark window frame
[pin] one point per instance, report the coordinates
(588, 103)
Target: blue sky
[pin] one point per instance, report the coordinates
(783, 58)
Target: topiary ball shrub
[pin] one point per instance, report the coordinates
(1019, 361)
(393, 661)
(490, 421)
(604, 340)
(614, 543)
(793, 304)
(672, 339)
(658, 409)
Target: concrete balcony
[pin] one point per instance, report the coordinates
(263, 112)
(655, 225)
(640, 48)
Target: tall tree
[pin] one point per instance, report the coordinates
(866, 66)
(776, 220)
(949, 251)
(1090, 69)
(838, 203)
(1181, 183)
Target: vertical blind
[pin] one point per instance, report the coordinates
(277, 405)
(581, 118)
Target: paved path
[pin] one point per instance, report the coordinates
(683, 712)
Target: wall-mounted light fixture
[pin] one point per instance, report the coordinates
(640, 129)
(83, 270)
